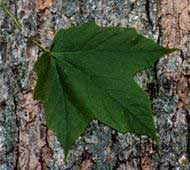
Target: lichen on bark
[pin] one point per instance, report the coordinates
(26, 142)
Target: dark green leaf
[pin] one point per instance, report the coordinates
(89, 75)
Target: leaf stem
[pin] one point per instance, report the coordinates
(19, 26)
(16, 22)
(38, 44)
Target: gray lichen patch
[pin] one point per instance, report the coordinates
(8, 122)
(170, 114)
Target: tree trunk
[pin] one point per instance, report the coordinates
(25, 141)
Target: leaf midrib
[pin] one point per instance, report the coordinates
(127, 51)
(90, 77)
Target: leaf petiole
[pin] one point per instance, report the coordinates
(16, 22)
(19, 26)
(36, 43)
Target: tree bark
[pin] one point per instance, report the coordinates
(25, 141)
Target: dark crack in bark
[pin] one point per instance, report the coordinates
(147, 9)
(17, 150)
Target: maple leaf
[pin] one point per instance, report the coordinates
(88, 74)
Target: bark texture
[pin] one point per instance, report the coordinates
(25, 141)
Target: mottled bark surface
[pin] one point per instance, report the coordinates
(25, 141)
